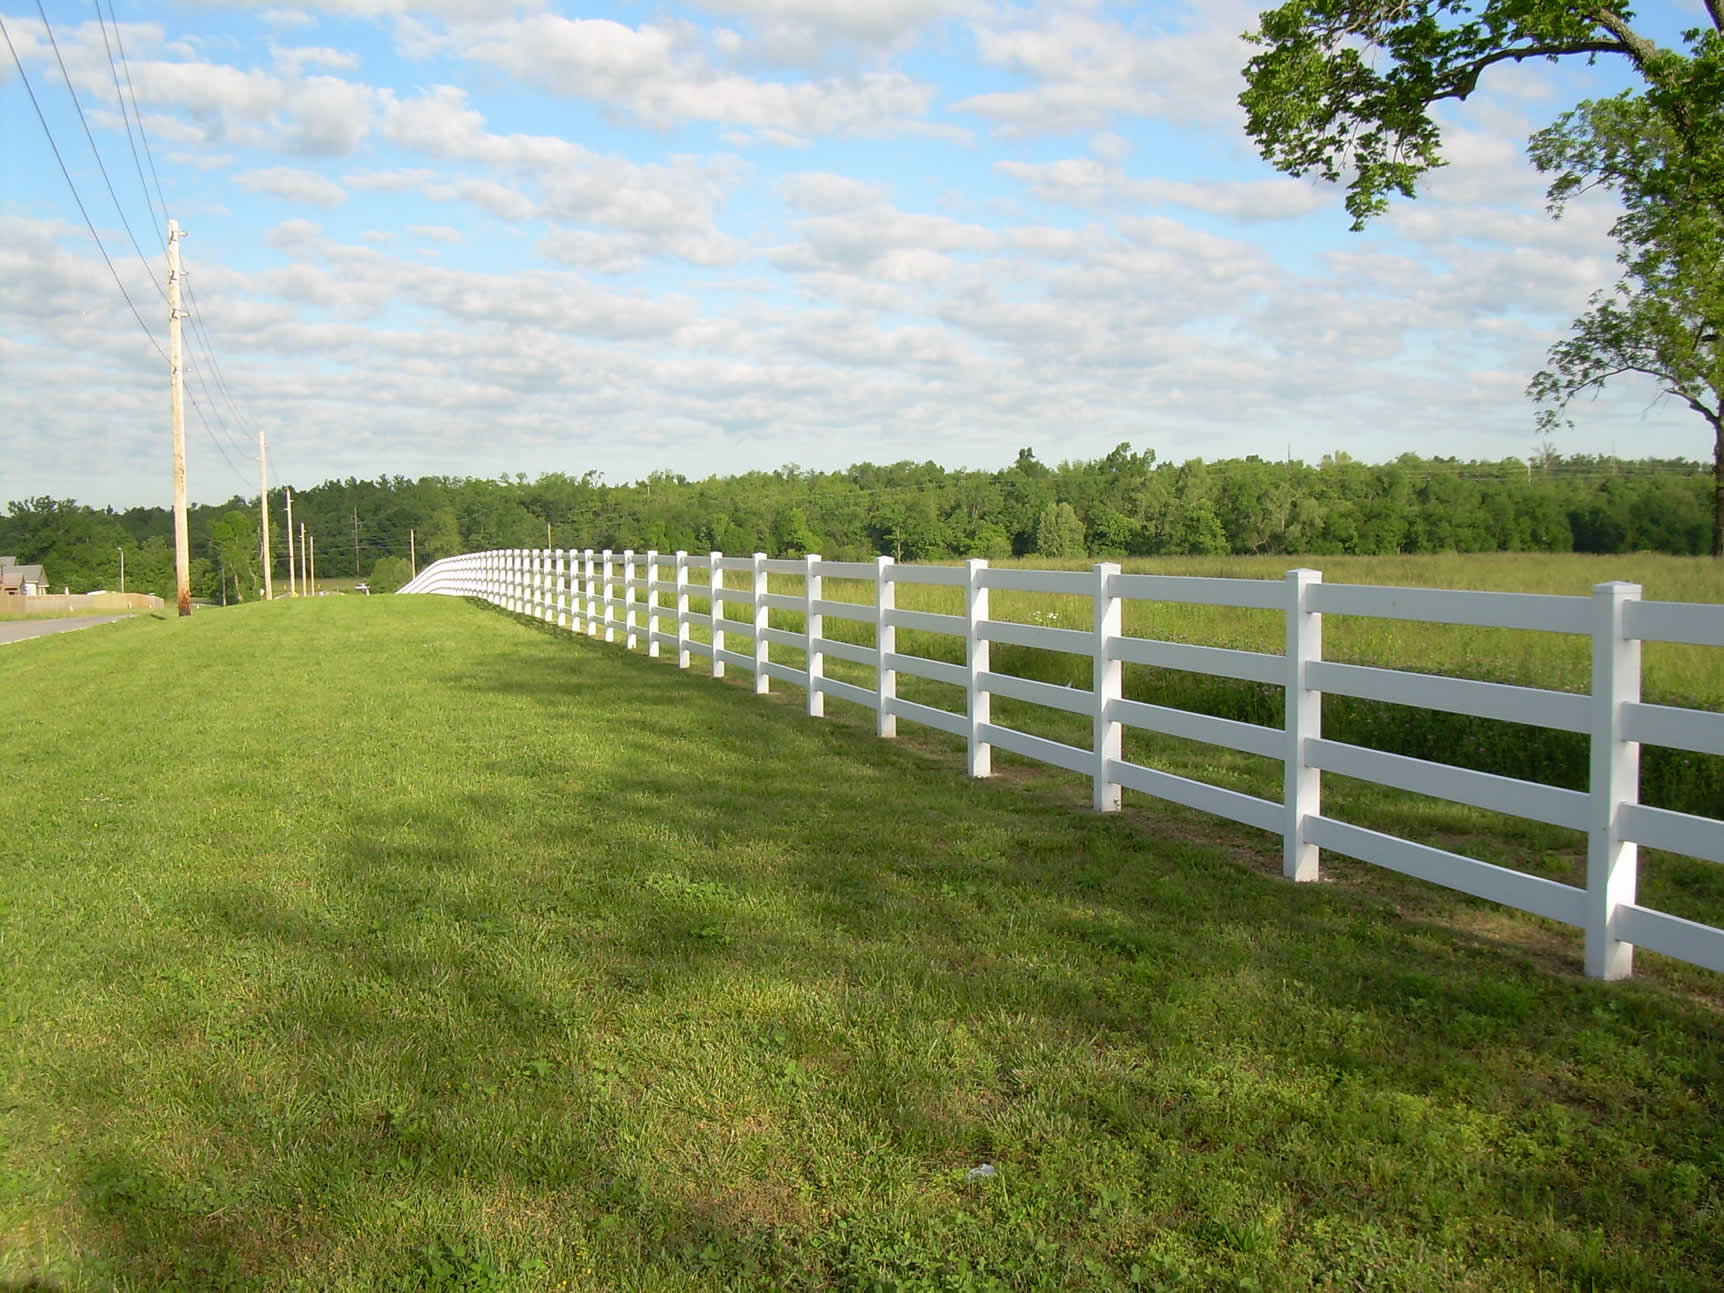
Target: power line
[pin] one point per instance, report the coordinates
(199, 334)
(199, 410)
(126, 67)
(88, 134)
(197, 373)
(160, 220)
(82, 210)
(202, 338)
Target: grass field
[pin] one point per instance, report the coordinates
(8, 617)
(393, 943)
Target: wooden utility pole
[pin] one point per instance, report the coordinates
(412, 554)
(176, 405)
(304, 563)
(292, 585)
(263, 510)
(122, 570)
(311, 561)
(547, 534)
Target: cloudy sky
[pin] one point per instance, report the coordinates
(480, 237)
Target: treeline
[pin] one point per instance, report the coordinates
(1124, 504)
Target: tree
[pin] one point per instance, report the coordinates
(1664, 319)
(1348, 86)
(389, 574)
(234, 539)
(791, 535)
(1059, 532)
(1199, 531)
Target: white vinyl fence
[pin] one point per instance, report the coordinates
(619, 595)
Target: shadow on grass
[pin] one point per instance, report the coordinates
(712, 997)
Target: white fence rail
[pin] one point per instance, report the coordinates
(623, 596)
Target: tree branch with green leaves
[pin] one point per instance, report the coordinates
(1344, 89)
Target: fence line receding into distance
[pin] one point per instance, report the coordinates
(643, 599)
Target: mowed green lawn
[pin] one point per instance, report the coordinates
(393, 943)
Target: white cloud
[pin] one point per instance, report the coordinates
(1110, 147)
(201, 161)
(295, 185)
(1086, 182)
(293, 60)
(1089, 70)
(187, 98)
(663, 76)
(810, 32)
(436, 232)
(673, 203)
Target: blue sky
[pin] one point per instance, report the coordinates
(480, 237)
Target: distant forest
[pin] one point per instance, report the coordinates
(1125, 504)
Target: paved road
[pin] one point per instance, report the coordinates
(18, 630)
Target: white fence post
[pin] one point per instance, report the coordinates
(1301, 785)
(652, 603)
(547, 602)
(560, 594)
(976, 657)
(566, 581)
(1105, 677)
(630, 638)
(681, 608)
(762, 683)
(590, 620)
(715, 600)
(1612, 862)
(814, 627)
(608, 573)
(886, 641)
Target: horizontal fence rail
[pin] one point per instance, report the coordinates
(642, 599)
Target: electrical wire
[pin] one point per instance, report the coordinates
(100, 165)
(160, 221)
(82, 210)
(204, 421)
(126, 67)
(194, 314)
